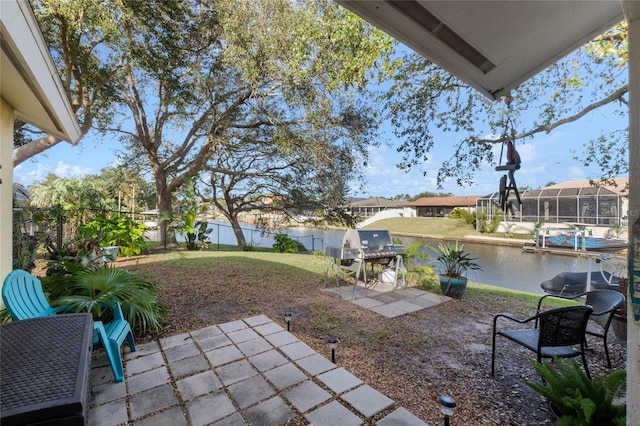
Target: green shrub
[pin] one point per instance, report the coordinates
(425, 279)
(285, 244)
(415, 253)
(73, 257)
(578, 400)
(116, 231)
(487, 226)
(459, 213)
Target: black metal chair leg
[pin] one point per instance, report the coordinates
(606, 351)
(493, 355)
(584, 362)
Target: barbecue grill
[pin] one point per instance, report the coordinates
(376, 245)
(361, 246)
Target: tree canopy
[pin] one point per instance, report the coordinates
(194, 85)
(425, 101)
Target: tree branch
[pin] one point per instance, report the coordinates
(618, 95)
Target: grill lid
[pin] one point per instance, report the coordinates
(374, 243)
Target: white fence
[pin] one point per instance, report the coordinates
(384, 214)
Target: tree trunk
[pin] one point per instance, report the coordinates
(237, 230)
(165, 208)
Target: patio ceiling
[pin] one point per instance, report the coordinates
(492, 45)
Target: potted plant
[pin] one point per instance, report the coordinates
(453, 262)
(577, 400)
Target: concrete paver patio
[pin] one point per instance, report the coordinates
(249, 372)
(388, 301)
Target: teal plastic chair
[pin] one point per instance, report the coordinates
(23, 297)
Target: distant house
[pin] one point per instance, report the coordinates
(440, 206)
(571, 201)
(370, 206)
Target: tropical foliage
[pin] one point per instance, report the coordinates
(195, 231)
(416, 254)
(285, 244)
(116, 231)
(578, 400)
(454, 261)
(95, 290)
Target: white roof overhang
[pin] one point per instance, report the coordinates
(30, 83)
(494, 46)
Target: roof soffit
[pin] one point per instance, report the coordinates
(492, 45)
(29, 81)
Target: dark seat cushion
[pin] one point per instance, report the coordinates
(529, 339)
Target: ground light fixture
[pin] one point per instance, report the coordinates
(333, 343)
(287, 318)
(447, 406)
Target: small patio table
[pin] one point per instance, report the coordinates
(44, 370)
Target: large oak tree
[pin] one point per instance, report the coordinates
(279, 72)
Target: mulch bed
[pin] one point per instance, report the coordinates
(412, 359)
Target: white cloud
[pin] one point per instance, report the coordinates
(71, 171)
(28, 176)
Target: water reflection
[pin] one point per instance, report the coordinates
(513, 268)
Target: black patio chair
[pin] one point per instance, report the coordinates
(605, 303)
(556, 333)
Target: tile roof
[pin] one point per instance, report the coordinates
(452, 201)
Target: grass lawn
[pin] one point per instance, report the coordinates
(412, 359)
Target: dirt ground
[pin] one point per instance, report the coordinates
(412, 359)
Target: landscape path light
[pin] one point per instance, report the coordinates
(287, 318)
(333, 343)
(447, 406)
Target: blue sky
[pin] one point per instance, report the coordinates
(545, 158)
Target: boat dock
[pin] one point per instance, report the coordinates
(531, 248)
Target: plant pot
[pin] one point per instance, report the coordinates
(110, 253)
(453, 287)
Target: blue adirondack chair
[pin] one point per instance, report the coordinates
(23, 297)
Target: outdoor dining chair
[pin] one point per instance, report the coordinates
(24, 299)
(554, 333)
(605, 303)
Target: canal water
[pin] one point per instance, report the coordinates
(503, 266)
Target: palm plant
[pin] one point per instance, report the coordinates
(95, 290)
(454, 261)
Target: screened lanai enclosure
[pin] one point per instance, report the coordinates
(604, 206)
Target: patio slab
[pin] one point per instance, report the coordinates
(388, 301)
(367, 400)
(245, 372)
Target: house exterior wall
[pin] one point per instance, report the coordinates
(6, 189)
(32, 92)
(632, 13)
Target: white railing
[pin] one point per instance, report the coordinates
(384, 214)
